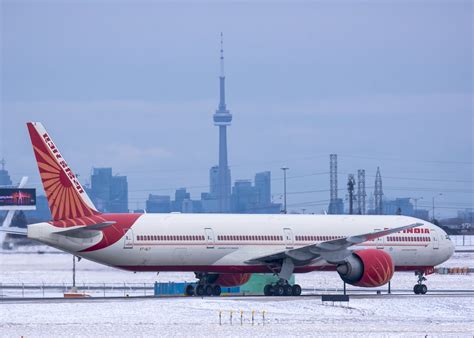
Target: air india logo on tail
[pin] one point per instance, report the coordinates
(66, 197)
(62, 163)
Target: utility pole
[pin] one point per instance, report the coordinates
(433, 199)
(416, 199)
(284, 188)
(73, 271)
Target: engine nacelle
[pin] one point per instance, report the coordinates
(229, 279)
(367, 268)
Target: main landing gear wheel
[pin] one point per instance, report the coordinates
(189, 290)
(216, 290)
(208, 290)
(420, 288)
(296, 290)
(268, 290)
(279, 290)
(288, 290)
(206, 285)
(282, 290)
(200, 290)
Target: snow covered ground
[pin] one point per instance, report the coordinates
(414, 316)
(380, 316)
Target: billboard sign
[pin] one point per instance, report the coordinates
(17, 199)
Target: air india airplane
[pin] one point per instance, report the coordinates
(225, 249)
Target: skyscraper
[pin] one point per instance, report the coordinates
(109, 193)
(263, 187)
(4, 177)
(222, 118)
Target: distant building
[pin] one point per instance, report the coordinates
(254, 199)
(109, 193)
(263, 188)
(401, 206)
(209, 204)
(158, 203)
(336, 207)
(5, 179)
(180, 196)
(466, 215)
(422, 214)
(244, 197)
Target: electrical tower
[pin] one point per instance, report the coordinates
(361, 191)
(378, 193)
(335, 204)
(333, 176)
(350, 189)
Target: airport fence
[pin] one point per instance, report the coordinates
(461, 241)
(51, 290)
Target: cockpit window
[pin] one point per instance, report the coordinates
(447, 237)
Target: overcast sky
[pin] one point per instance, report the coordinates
(133, 85)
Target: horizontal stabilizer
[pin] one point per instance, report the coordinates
(15, 231)
(81, 228)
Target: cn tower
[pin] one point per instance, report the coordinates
(222, 118)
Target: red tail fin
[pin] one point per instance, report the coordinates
(66, 197)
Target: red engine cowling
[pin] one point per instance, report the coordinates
(367, 268)
(232, 279)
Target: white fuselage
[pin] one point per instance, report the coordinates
(224, 243)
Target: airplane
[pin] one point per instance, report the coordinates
(223, 250)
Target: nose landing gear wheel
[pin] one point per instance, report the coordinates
(420, 288)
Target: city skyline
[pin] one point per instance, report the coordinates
(337, 86)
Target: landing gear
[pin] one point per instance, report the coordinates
(420, 288)
(282, 288)
(205, 286)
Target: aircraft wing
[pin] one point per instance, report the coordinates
(333, 251)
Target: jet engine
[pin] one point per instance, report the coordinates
(367, 268)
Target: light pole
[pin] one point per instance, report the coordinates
(416, 199)
(284, 188)
(433, 200)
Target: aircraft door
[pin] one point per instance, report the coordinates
(379, 242)
(288, 238)
(435, 239)
(209, 238)
(128, 239)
